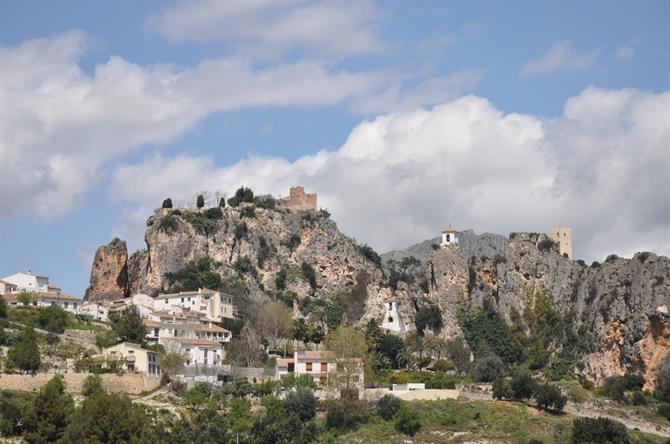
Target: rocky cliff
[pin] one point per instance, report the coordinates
(619, 308)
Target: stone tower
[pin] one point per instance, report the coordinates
(563, 237)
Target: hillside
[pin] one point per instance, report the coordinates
(555, 313)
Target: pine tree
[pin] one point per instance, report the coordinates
(47, 417)
(25, 354)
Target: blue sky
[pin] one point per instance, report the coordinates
(108, 106)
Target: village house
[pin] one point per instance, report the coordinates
(159, 332)
(134, 358)
(95, 310)
(7, 287)
(216, 306)
(28, 282)
(199, 352)
(43, 300)
(320, 365)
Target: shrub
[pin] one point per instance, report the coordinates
(599, 430)
(523, 384)
(488, 369)
(370, 254)
(546, 244)
(407, 421)
(53, 319)
(611, 258)
(549, 396)
(502, 389)
(643, 256)
(309, 274)
(167, 203)
(664, 410)
(581, 263)
(266, 201)
(638, 398)
(614, 387)
(387, 407)
(442, 365)
(25, 353)
(168, 224)
(634, 381)
(200, 201)
(241, 195)
(248, 212)
(244, 265)
(302, 402)
(200, 222)
(241, 230)
(222, 202)
(280, 279)
(347, 414)
(214, 213)
(595, 264)
(292, 242)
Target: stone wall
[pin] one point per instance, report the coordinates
(74, 382)
(298, 200)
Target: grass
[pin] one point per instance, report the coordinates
(476, 421)
(88, 326)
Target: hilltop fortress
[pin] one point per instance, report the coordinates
(298, 200)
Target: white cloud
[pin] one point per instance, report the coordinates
(561, 57)
(601, 167)
(627, 51)
(271, 28)
(60, 124)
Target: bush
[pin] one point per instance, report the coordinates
(523, 384)
(429, 316)
(244, 265)
(502, 389)
(407, 421)
(614, 387)
(302, 402)
(387, 407)
(638, 398)
(292, 242)
(664, 411)
(488, 369)
(167, 203)
(346, 415)
(280, 279)
(442, 365)
(634, 381)
(241, 230)
(370, 254)
(309, 274)
(266, 201)
(249, 212)
(53, 319)
(546, 245)
(214, 213)
(549, 396)
(200, 201)
(599, 430)
(168, 224)
(663, 380)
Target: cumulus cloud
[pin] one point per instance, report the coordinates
(60, 124)
(271, 28)
(601, 167)
(561, 57)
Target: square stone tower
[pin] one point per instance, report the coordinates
(563, 237)
(298, 200)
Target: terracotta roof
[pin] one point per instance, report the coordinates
(283, 362)
(203, 291)
(205, 342)
(60, 296)
(315, 355)
(150, 323)
(199, 327)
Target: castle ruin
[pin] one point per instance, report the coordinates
(563, 237)
(298, 200)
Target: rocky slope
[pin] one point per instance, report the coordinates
(620, 306)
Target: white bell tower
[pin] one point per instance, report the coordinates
(449, 236)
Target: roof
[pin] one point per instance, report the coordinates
(284, 362)
(202, 291)
(321, 355)
(59, 296)
(8, 283)
(204, 342)
(200, 327)
(130, 345)
(450, 229)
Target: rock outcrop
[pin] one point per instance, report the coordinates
(109, 272)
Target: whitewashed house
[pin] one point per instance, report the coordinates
(134, 358)
(200, 352)
(95, 310)
(216, 306)
(7, 287)
(42, 300)
(319, 365)
(160, 332)
(392, 321)
(28, 282)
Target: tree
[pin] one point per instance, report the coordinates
(502, 389)
(459, 354)
(615, 387)
(392, 347)
(110, 418)
(92, 386)
(599, 430)
(172, 359)
(549, 396)
(245, 348)
(167, 203)
(25, 298)
(222, 202)
(407, 421)
(348, 346)
(488, 369)
(128, 325)
(3, 307)
(47, 417)
(25, 354)
(309, 274)
(274, 322)
(415, 343)
(430, 317)
(241, 195)
(387, 406)
(106, 339)
(200, 201)
(53, 319)
(523, 384)
(280, 426)
(663, 380)
(302, 402)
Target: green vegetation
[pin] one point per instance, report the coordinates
(546, 244)
(25, 354)
(407, 421)
(214, 213)
(248, 212)
(200, 222)
(242, 194)
(200, 201)
(167, 203)
(387, 407)
(309, 274)
(244, 265)
(241, 230)
(599, 430)
(168, 224)
(428, 317)
(222, 202)
(3, 308)
(370, 254)
(47, 417)
(292, 242)
(52, 319)
(302, 403)
(128, 325)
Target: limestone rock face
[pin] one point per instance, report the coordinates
(109, 273)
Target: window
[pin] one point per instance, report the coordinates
(182, 300)
(324, 366)
(448, 237)
(390, 319)
(308, 367)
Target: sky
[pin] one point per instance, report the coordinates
(402, 116)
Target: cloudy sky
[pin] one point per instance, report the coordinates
(402, 116)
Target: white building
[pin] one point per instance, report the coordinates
(449, 236)
(392, 321)
(96, 311)
(160, 332)
(7, 287)
(320, 365)
(28, 282)
(200, 352)
(216, 306)
(42, 300)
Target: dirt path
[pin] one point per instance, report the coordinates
(150, 401)
(588, 411)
